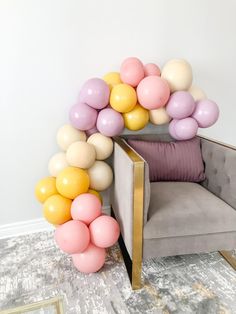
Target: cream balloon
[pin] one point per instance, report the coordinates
(81, 154)
(102, 144)
(178, 74)
(159, 116)
(67, 135)
(197, 93)
(100, 175)
(57, 163)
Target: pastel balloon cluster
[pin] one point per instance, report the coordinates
(188, 115)
(71, 198)
(141, 93)
(88, 234)
(78, 172)
(79, 168)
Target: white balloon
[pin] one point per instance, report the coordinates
(178, 74)
(67, 135)
(102, 144)
(197, 93)
(159, 116)
(81, 154)
(100, 175)
(57, 163)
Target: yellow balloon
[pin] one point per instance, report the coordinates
(45, 188)
(56, 209)
(123, 98)
(96, 193)
(112, 79)
(136, 119)
(72, 182)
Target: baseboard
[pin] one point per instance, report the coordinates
(31, 226)
(24, 227)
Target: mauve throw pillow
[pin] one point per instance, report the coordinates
(172, 161)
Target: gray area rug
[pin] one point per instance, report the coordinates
(32, 269)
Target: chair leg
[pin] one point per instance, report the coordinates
(229, 258)
(134, 269)
(136, 275)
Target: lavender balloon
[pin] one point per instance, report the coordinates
(83, 117)
(180, 105)
(110, 122)
(186, 129)
(172, 129)
(206, 113)
(95, 93)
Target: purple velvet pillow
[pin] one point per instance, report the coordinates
(172, 161)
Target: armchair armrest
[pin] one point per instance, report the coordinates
(220, 169)
(131, 192)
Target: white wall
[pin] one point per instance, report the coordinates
(49, 47)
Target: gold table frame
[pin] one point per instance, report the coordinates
(56, 302)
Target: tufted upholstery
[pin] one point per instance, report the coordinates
(220, 170)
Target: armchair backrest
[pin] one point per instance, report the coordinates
(165, 137)
(220, 170)
(219, 161)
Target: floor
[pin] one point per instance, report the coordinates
(33, 269)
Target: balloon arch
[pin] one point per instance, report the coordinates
(138, 94)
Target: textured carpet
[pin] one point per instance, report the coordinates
(33, 269)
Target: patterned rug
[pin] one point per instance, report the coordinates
(33, 269)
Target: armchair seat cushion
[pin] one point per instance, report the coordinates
(180, 209)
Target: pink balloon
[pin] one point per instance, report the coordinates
(104, 231)
(180, 105)
(152, 69)
(86, 207)
(131, 71)
(186, 129)
(91, 131)
(172, 129)
(110, 122)
(72, 237)
(95, 93)
(206, 113)
(91, 260)
(153, 92)
(83, 117)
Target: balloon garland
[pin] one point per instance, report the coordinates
(138, 94)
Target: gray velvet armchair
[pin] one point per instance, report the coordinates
(171, 218)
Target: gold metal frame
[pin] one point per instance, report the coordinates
(229, 258)
(138, 199)
(56, 302)
(227, 255)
